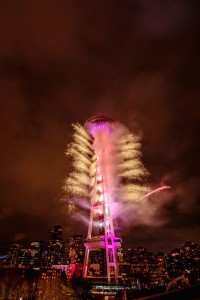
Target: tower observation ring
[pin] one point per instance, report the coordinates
(95, 121)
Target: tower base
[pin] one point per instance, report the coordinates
(96, 260)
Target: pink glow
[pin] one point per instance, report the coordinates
(100, 127)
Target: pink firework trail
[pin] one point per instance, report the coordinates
(142, 198)
(156, 191)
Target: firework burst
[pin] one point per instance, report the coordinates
(115, 150)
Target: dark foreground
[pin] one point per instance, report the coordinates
(191, 293)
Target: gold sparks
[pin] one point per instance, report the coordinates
(126, 172)
(79, 182)
(134, 192)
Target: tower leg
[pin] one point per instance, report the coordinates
(86, 262)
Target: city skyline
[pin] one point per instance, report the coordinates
(64, 245)
(139, 270)
(66, 240)
(136, 63)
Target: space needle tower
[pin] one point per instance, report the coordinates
(107, 170)
(101, 234)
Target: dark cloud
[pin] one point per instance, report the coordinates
(135, 61)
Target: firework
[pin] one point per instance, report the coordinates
(115, 151)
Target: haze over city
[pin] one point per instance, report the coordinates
(136, 62)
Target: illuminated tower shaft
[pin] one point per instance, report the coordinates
(101, 231)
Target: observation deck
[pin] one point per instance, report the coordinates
(99, 242)
(97, 121)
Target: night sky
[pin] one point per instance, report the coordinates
(65, 61)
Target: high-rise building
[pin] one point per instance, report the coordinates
(13, 255)
(24, 257)
(76, 249)
(55, 249)
(184, 259)
(36, 249)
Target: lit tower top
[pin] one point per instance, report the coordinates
(96, 123)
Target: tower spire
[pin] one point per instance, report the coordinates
(101, 233)
(106, 169)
